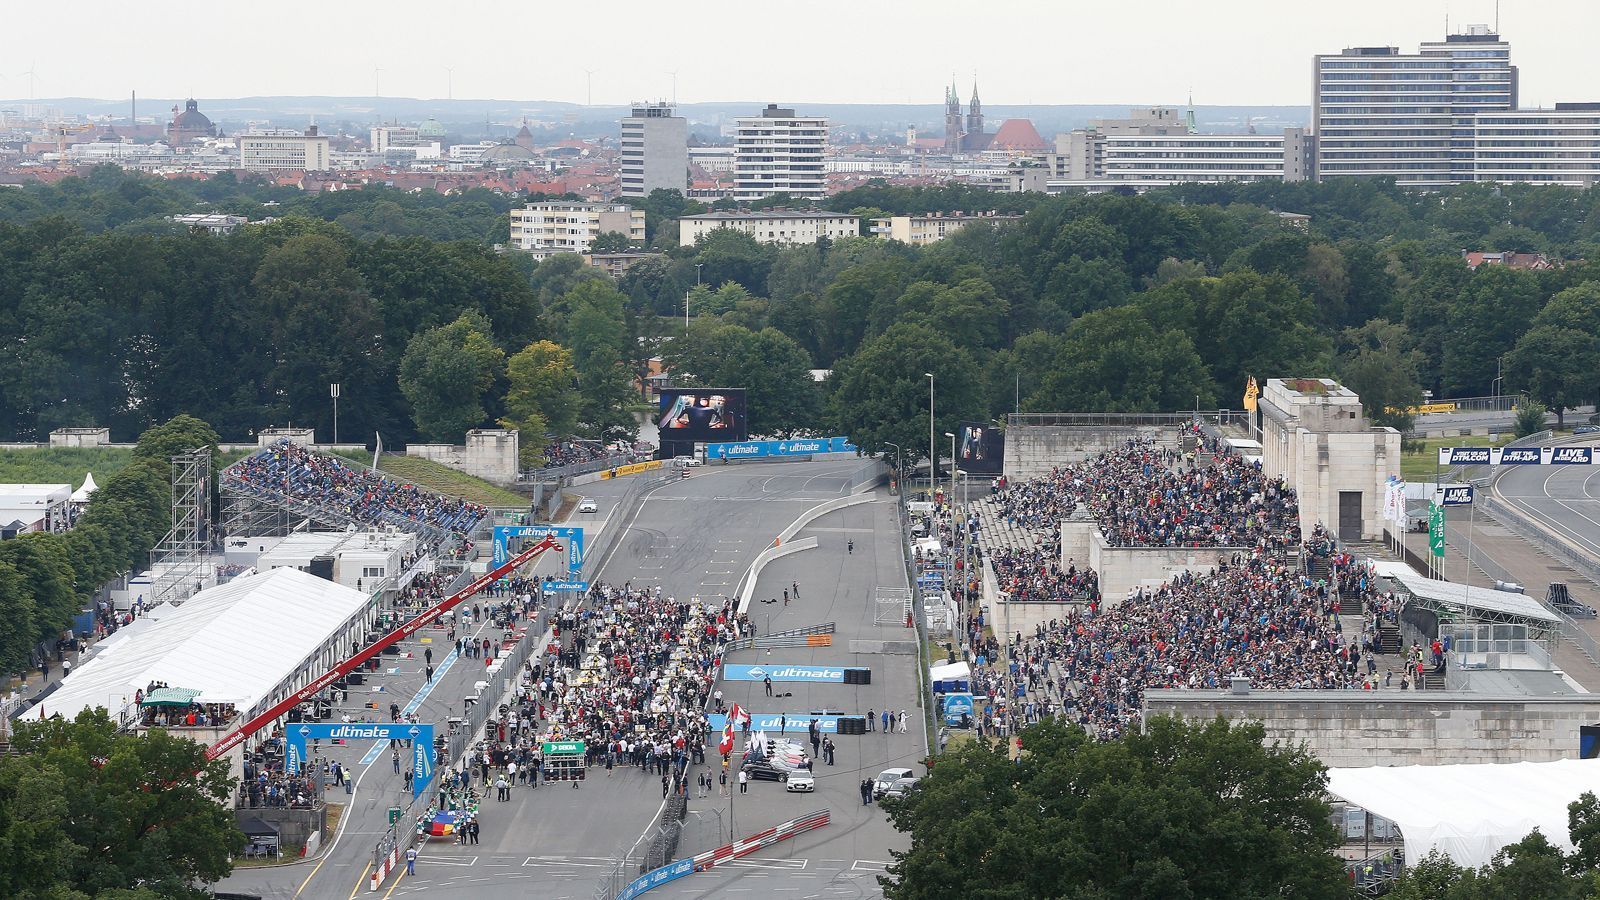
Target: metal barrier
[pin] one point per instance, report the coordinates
(573, 470)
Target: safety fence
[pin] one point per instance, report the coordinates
(1123, 420)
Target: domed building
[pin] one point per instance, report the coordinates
(506, 155)
(188, 125)
(431, 130)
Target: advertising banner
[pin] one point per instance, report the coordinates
(982, 449)
(1436, 529)
(1455, 495)
(764, 449)
(702, 414)
(420, 736)
(956, 706)
(780, 672)
(1517, 456)
(570, 536)
(657, 877)
(790, 722)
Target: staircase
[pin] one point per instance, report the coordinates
(1431, 682)
(1388, 638)
(1319, 568)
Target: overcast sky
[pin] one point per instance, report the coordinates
(848, 51)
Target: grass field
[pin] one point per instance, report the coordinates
(445, 480)
(62, 465)
(1420, 465)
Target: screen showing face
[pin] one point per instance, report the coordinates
(981, 449)
(702, 414)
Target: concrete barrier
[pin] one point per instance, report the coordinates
(747, 587)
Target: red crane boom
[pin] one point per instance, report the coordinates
(236, 736)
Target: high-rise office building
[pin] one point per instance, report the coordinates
(1539, 146)
(779, 152)
(280, 150)
(655, 150)
(1411, 116)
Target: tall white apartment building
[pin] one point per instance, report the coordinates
(779, 152)
(772, 226)
(282, 150)
(1541, 146)
(1377, 111)
(1191, 158)
(655, 150)
(545, 229)
(382, 137)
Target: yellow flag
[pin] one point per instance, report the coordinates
(1251, 392)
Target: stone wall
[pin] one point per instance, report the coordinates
(1033, 450)
(294, 825)
(489, 453)
(80, 437)
(1393, 728)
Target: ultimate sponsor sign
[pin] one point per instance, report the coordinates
(762, 449)
(570, 536)
(420, 736)
(770, 722)
(580, 586)
(779, 672)
(1517, 456)
(657, 877)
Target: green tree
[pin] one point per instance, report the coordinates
(610, 242)
(1181, 809)
(1530, 418)
(446, 374)
(597, 335)
(542, 396)
(1495, 308)
(89, 809)
(1260, 325)
(881, 392)
(1114, 359)
(1379, 368)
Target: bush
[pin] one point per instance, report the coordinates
(1530, 418)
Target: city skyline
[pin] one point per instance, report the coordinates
(1257, 53)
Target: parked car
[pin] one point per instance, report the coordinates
(1558, 597)
(887, 778)
(800, 783)
(588, 505)
(902, 787)
(1587, 429)
(761, 770)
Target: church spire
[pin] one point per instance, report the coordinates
(1189, 120)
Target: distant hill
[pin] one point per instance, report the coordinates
(474, 119)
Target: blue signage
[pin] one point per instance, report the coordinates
(770, 722)
(1521, 456)
(826, 674)
(420, 736)
(581, 586)
(657, 877)
(796, 447)
(1464, 456)
(570, 536)
(1572, 456)
(1456, 495)
(956, 706)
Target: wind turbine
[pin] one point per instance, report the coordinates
(375, 91)
(30, 73)
(449, 82)
(674, 74)
(589, 98)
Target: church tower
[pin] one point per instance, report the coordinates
(952, 119)
(975, 111)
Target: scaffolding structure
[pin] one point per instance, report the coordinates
(893, 606)
(246, 516)
(181, 563)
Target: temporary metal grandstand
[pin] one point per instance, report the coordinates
(181, 563)
(256, 509)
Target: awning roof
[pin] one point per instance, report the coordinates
(1470, 811)
(233, 643)
(170, 696)
(1485, 599)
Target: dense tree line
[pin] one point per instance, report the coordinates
(46, 578)
(1151, 302)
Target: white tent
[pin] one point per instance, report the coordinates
(956, 671)
(81, 495)
(1470, 811)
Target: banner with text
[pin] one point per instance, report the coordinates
(778, 672)
(796, 447)
(1517, 456)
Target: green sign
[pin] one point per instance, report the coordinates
(1436, 529)
(563, 748)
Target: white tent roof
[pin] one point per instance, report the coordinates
(1471, 811)
(233, 643)
(957, 671)
(1487, 599)
(81, 495)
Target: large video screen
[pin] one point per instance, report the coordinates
(702, 414)
(981, 450)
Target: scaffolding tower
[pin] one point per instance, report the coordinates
(181, 563)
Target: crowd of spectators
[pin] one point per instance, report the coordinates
(1144, 495)
(1034, 575)
(266, 784)
(286, 469)
(571, 452)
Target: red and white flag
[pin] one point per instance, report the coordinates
(725, 746)
(737, 715)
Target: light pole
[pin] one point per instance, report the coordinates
(333, 391)
(933, 455)
(697, 267)
(898, 474)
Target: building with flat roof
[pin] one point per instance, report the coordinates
(922, 230)
(772, 226)
(560, 226)
(1539, 146)
(655, 150)
(1377, 111)
(284, 150)
(779, 152)
(34, 507)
